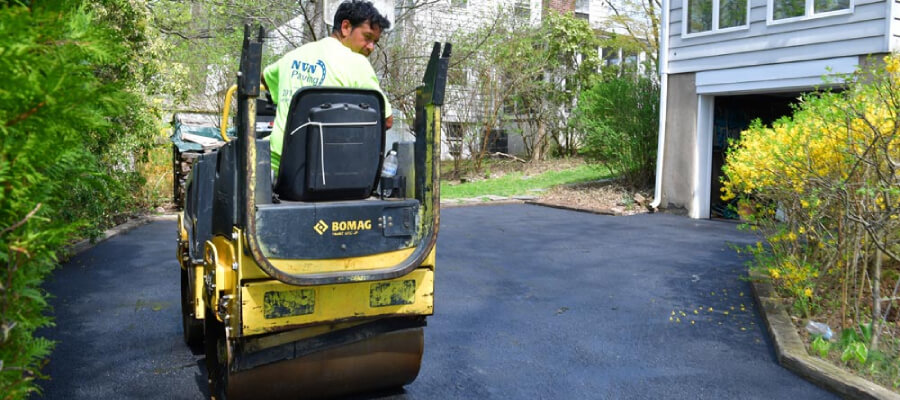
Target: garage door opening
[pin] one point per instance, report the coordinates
(731, 115)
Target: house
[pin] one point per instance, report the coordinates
(724, 63)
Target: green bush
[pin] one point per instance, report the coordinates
(72, 121)
(620, 121)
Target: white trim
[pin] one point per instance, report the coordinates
(889, 29)
(808, 15)
(663, 60)
(780, 85)
(703, 157)
(685, 22)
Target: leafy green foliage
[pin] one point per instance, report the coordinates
(856, 351)
(821, 346)
(620, 118)
(72, 122)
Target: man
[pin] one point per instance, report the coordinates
(337, 60)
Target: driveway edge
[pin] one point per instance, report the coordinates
(86, 244)
(792, 355)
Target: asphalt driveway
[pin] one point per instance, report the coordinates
(531, 302)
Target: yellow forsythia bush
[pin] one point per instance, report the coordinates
(823, 186)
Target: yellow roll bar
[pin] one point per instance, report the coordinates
(225, 111)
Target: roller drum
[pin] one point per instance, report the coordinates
(384, 361)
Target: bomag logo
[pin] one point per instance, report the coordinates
(343, 228)
(321, 227)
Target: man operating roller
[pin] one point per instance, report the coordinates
(337, 60)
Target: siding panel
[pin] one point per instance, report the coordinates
(779, 55)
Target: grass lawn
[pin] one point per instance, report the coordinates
(515, 183)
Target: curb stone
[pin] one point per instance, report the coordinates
(477, 202)
(492, 200)
(792, 355)
(86, 244)
(561, 207)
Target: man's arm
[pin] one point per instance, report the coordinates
(389, 122)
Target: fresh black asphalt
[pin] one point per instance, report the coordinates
(530, 303)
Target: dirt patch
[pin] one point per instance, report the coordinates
(606, 197)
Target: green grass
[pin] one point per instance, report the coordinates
(515, 184)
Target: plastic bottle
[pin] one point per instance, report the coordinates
(388, 170)
(818, 328)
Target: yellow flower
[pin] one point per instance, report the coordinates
(807, 292)
(774, 273)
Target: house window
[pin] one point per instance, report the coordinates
(457, 76)
(823, 6)
(801, 9)
(611, 56)
(522, 9)
(583, 9)
(455, 134)
(459, 3)
(715, 15)
(732, 13)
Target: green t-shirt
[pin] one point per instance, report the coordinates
(325, 62)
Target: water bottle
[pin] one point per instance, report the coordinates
(388, 170)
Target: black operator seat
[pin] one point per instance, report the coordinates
(333, 145)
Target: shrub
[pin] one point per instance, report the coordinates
(620, 121)
(71, 122)
(823, 185)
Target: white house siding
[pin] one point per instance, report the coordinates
(861, 32)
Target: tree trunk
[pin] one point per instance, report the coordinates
(537, 152)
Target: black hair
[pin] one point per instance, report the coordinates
(357, 12)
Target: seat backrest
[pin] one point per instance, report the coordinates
(333, 145)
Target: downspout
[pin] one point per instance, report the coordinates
(663, 101)
(889, 32)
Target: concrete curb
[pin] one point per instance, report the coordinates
(561, 207)
(455, 204)
(792, 354)
(86, 244)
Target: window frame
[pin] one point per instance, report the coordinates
(584, 13)
(715, 20)
(465, 5)
(520, 5)
(808, 14)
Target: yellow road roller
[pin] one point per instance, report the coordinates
(315, 281)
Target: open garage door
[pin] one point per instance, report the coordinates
(731, 115)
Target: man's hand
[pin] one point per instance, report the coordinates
(389, 122)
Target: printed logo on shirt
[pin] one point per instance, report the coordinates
(308, 74)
